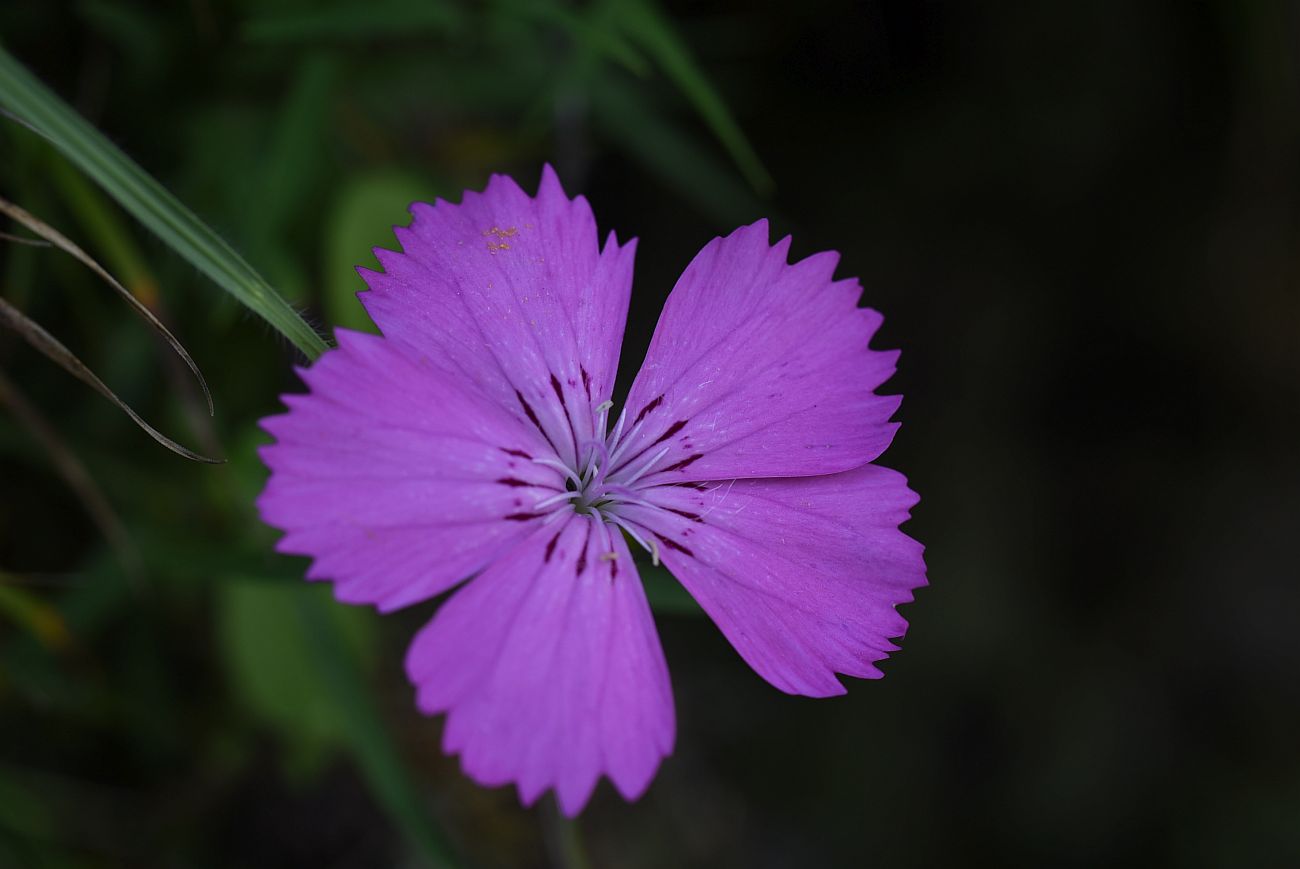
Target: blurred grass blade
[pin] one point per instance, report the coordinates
(18, 239)
(374, 750)
(355, 21)
(294, 159)
(105, 231)
(633, 121)
(74, 473)
(588, 30)
(36, 106)
(56, 238)
(47, 344)
(646, 25)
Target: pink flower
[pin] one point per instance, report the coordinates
(476, 439)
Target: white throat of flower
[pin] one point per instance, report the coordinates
(606, 478)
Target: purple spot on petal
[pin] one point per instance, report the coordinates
(511, 481)
(672, 430)
(532, 416)
(520, 453)
(683, 463)
(523, 517)
(550, 547)
(649, 407)
(694, 517)
(673, 544)
(582, 556)
(586, 381)
(559, 391)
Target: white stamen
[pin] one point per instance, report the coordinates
(625, 495)
(555, 499)
(651, 547)
(627, 481)
(562, 468)
(618, 429)
(599, 431)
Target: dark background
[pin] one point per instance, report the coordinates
(1080, 221)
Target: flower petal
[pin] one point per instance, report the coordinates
(802, 574)
(759, 368)
(515, 294)
(396, 480)
(550, 670)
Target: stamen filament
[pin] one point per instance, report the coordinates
(562, 468)
(555, 499)
(627, 481)
(626, 495)
(616, 437)
(651, 547)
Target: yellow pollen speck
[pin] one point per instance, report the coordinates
(608, 556)
(500, 235)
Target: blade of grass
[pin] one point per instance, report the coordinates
(18, 239)
(56, 238)
(24, 97)
(587, 29)
(105, 230)
(52, 348)
(375, 753)
(647, 26)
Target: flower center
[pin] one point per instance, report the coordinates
(606, 478)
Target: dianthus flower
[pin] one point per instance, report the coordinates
(477, 439)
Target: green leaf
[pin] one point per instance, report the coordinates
(362, 218)
(35, 105)
(646, 25)
(272, 668)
